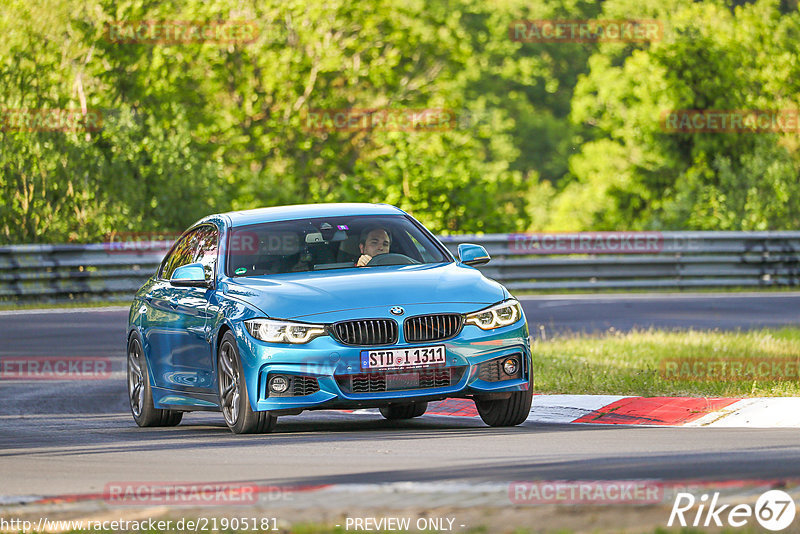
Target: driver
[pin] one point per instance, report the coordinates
(374, 241)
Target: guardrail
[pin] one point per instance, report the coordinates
(73, 272)
(641, 260)
(581, 261)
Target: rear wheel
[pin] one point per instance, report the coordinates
(140, 394)
(506, 412)
(404, 411)
(233, 399)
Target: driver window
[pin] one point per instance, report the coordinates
(204, 249)
(180, 255)
(198, 246)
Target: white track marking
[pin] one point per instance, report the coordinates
(767, 412)
(567, 408)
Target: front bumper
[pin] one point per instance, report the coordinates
(336, 369)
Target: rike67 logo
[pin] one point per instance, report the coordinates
(774, 510)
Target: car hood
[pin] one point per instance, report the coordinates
(322, 295)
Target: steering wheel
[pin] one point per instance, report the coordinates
(390, 258)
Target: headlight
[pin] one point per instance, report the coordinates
(283, 331)
(503, 314)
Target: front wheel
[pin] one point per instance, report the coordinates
(233, 399)
(506, 412)
(140, 395)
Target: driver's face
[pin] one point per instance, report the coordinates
(377, 243)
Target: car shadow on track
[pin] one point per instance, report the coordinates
(68, 435)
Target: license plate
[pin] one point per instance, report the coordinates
(399, 358)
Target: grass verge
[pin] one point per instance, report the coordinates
(756, 363)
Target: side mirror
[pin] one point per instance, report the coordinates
(192, 275)
(470, 254)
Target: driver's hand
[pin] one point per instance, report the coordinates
(363, 260)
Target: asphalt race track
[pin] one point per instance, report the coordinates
(61, 437)
(699, 311)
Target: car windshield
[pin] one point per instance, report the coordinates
(329, 243)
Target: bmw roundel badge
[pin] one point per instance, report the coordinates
(397, 310)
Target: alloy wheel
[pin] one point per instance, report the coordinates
(229, 384)
(135, 378)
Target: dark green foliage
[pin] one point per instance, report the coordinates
(545, 136)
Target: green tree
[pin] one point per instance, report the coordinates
(633, 174)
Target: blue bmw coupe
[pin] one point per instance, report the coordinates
(274, 311)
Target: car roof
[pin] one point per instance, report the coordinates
(301, 211)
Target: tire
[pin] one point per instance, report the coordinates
(507, 412)
(404, 411)
(233, 399)
(140, 394)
